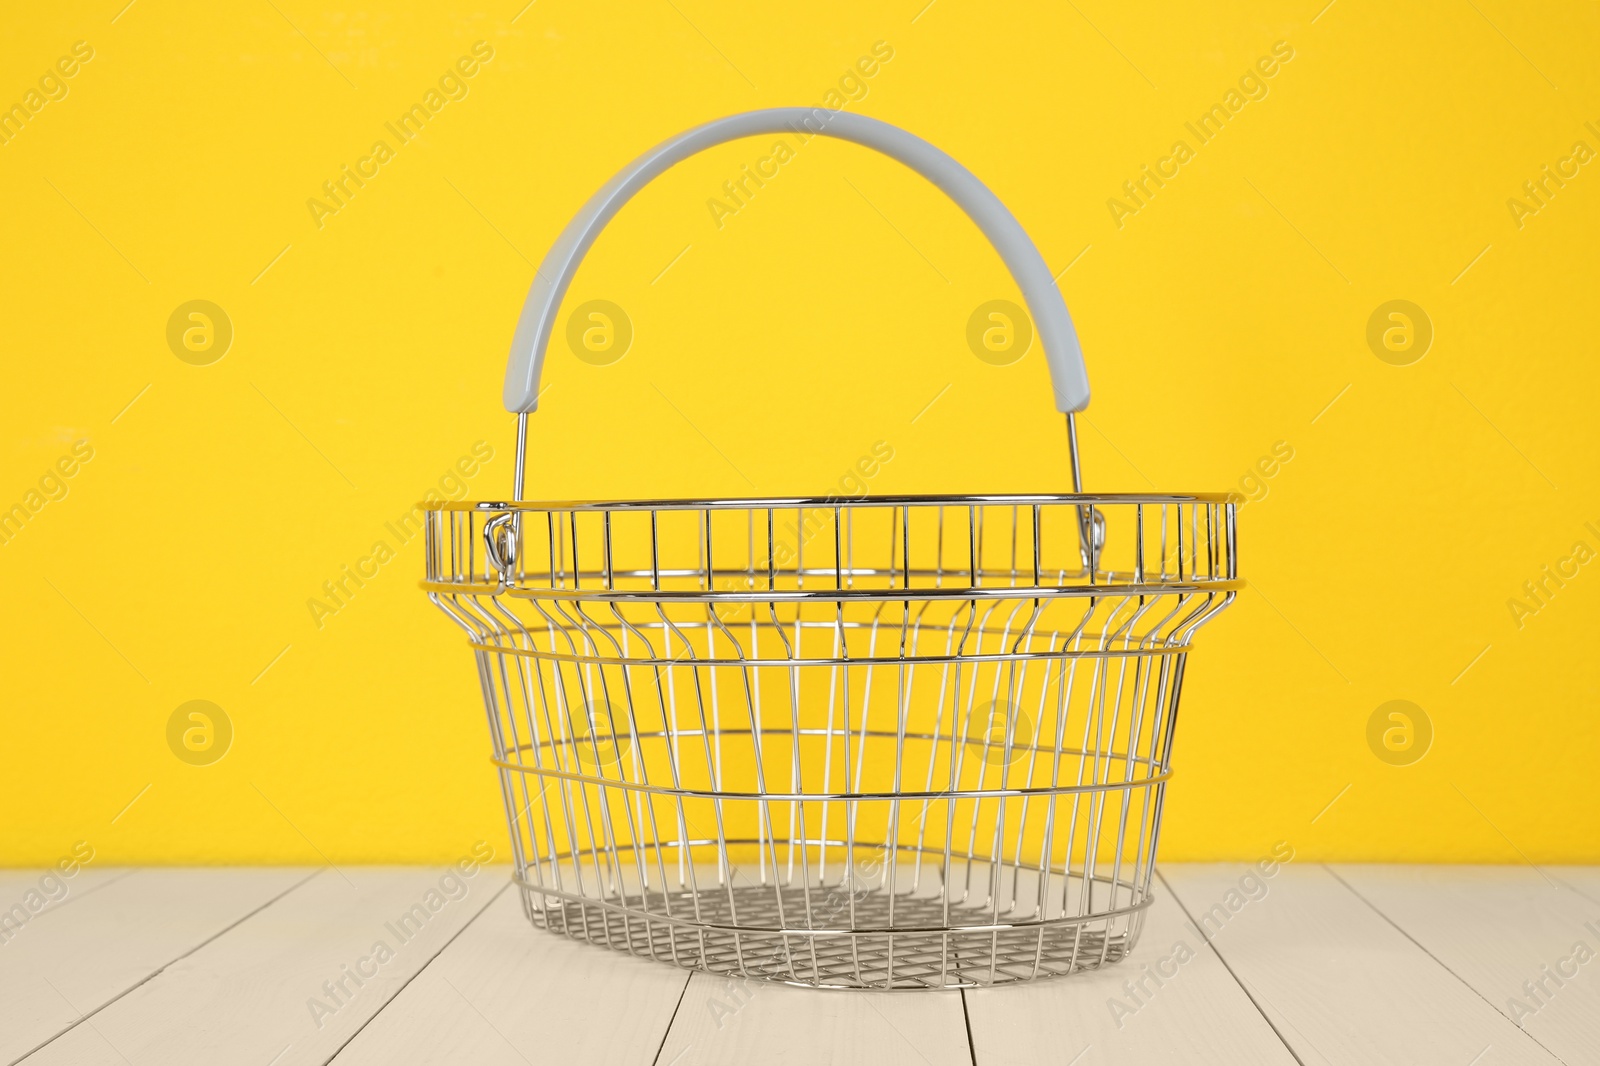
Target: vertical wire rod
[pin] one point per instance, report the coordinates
(519, 473)
(1072, 450)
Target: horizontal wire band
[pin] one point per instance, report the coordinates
(784, 503)
(1094, 880)
(1066, 922)
(1017, 749)
(988, 578)
(920, 660)
(731, 572)
(1194, 587)
(796, 797)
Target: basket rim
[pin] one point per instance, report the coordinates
(715, 503)
(1188, 586)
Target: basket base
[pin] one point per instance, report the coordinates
(928, 954)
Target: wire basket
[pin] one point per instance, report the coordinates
(879, 742)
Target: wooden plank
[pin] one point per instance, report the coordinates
(1399, 965)
(1523, 940)
(1189, 1009)
(1584, 880)
(249, 996)
(506, 994)
(1339, 983)
(727, 1023)
(109, 930)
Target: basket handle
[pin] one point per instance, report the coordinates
(1027, 266)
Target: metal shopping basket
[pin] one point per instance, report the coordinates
(875, 742)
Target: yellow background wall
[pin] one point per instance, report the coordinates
(1227, 315)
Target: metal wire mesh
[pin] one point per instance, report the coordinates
(890, 743)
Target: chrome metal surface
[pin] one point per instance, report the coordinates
(1072, 452)
(879, 742)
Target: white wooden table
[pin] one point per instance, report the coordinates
(1365, 965)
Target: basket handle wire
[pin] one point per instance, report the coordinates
(1016, 249)
(1063, 354)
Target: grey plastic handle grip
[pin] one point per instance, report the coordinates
(1027, 266)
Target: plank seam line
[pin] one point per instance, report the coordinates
(1570, 887)
(1442, 964)
(900, 1032)
(107, 883)
(1212, 944)
(407, 984)
(158, 971)
(675, 1008)
(966, 1019)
